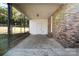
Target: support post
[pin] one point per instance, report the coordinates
(9, 23)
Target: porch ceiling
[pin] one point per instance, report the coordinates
(35, 11)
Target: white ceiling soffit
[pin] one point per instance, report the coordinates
(35, 11)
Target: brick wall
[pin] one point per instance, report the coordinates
(49, 25)
(66, 25)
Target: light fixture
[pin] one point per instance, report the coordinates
(37, 15)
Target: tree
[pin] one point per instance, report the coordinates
(3, 15)
(18, 19)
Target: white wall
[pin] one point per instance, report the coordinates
(39, 26)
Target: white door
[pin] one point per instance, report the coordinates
(39, 26)
(44, 27)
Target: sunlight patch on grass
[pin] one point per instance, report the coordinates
(3, 30)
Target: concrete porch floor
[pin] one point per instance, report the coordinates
(38, 41)
(40, 45)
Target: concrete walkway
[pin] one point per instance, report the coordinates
(40, 45)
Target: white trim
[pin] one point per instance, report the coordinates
(39, 1)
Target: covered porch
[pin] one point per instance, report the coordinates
(53, 30)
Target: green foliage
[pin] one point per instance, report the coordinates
(18, 19)
(3, 15)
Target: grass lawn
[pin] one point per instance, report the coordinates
(3, 43)
(4, 37)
